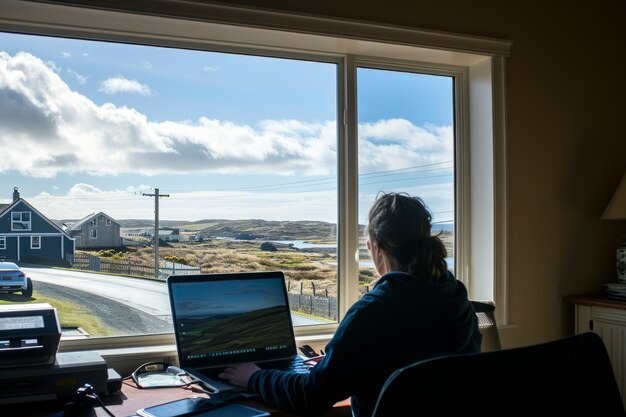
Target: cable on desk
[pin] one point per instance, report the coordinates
(85, 396)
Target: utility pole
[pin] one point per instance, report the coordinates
(156, 196)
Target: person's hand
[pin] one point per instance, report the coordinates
(239, 373)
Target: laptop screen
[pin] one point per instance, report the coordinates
(221, 319)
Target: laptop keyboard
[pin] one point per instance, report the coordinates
(295, 365)
(213, 382)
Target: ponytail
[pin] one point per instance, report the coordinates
(429, 258)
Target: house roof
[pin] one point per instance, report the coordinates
(7, 208)
(78, 224)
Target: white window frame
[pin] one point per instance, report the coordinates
(21, 213)
(36, 239)
(93, 234)
(3, 242)
(481, 200)
(108, 222)
(94, 222)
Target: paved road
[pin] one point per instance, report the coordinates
(146, 295)
(127, 305)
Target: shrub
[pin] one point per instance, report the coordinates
(110, 253)
(178, 259)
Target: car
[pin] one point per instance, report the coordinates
(13, 279)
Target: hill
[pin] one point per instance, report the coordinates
(271, 230)
(240, 229)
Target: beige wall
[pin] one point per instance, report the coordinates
(566, 145)
(565, 139)
(566, 142)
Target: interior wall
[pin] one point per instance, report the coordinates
(565, 141)
(565, 138)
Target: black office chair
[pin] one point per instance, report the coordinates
(487, 325)
(569, 376)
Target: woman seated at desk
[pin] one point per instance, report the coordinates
(416, 310)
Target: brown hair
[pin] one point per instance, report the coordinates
(401, 226)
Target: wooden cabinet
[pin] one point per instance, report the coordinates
(607, 318)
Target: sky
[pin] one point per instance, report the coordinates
(89, 126)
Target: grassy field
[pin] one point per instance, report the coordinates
(220, 255)
(303, 268)
(70, 314)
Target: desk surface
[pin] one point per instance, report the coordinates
(131, 398)
(598, 300)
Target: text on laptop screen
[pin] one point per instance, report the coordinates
(234, 320)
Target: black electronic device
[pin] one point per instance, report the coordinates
(114, 382)
(29, 334)
(308, 351)
(61, 380)
(199, 407)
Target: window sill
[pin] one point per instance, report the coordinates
(125, 358)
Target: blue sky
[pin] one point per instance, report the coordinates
(88, 126)
(227, 297)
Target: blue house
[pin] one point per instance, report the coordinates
(26, 235)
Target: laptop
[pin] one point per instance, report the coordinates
(221, 319)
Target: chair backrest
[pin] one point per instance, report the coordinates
(487, 325)
(572, 375)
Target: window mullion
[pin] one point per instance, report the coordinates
(348, 189)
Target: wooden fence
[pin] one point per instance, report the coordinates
(317, 304)
(167, 268)
(95, 263)
(325, 307)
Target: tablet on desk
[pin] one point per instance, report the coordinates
(234, 410)
(197, 407)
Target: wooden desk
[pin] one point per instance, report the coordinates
(598, 300)
(131, 398)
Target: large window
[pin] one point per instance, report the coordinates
(239, 154)
(261, 149)
(20, 220)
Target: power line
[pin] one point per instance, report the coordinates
(399, 171)
(127, 196)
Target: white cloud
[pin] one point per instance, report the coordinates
(82, 79)
(398, 141)
(61, 131)
(123, 85)
(85, 199)
(66, 54)
(209, 68)
(53, 66)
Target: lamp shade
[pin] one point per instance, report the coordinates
(617, 206)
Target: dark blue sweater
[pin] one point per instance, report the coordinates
(403, 319)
